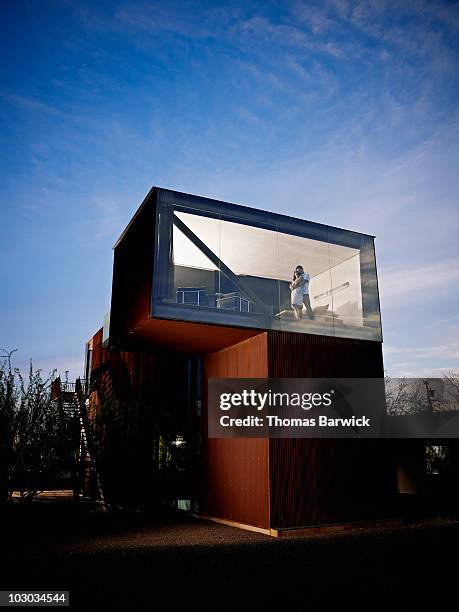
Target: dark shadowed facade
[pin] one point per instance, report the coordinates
(201, 290)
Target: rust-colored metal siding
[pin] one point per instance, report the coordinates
(279, 483)
(326, 481)
(132, 373)
(183, 337)
(133, 273)
(98, 356)
(235, 482)
(293, 355)
(330, 481)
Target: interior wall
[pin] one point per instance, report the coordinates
(186, 276)
(235, 481)
(345, 303)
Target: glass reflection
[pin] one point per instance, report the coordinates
(211, 266)
(196, 259)
(250, 254)
(306, 304)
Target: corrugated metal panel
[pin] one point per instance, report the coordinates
(326, 481)
(235, 472)
(293, 355)
(330, 481)
(301, 481)
(133, 372)
(281, 483)
(98, 356)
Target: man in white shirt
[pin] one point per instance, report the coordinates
(300, 292)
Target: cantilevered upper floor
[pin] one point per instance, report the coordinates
(194, 260)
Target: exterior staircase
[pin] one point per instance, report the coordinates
(72, 401)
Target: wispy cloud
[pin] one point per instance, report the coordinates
(317, 18)
(443, 351)
(339, 111)
(31, 104)
(259, 29)
(401, 282)
(434, 360)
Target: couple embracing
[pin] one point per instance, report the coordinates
(299, 288)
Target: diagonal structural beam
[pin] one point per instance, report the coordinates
(230, 275)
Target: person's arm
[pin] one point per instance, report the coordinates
(297, 282)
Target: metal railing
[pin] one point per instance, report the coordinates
(69, 387)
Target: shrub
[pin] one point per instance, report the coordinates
(33, 440)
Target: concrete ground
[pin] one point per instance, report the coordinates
(134, 562)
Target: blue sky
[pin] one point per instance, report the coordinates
(337, 111)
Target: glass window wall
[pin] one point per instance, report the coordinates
(230, 265)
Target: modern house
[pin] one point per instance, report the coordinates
(201, 290)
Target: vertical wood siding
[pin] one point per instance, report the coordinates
(235, 483)
(327, 481)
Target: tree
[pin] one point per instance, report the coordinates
(451, 379)
(33, 438)
(404, 396)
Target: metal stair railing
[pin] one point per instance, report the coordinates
(87, 446)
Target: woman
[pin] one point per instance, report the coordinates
(298, 287)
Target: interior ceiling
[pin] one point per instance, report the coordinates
(253, 250)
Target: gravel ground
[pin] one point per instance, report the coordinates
(134, 562)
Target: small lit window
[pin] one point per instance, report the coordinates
(437, 458)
